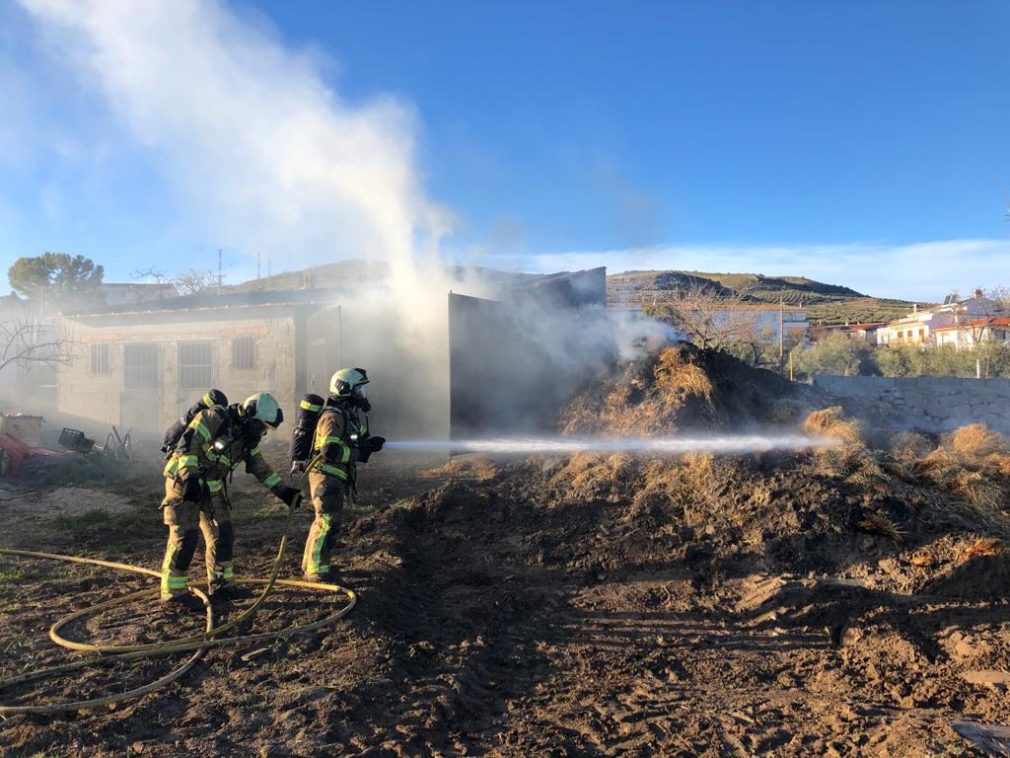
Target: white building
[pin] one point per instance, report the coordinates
(967, 333)
(923, 327)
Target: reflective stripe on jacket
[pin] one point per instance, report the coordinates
(337, 431)
(197, 454)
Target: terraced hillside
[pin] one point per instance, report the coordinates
(825, 303)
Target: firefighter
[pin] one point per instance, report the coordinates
(340, 440)
(216, 441)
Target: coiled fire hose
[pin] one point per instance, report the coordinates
(199, 644)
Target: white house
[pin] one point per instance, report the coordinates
(925, 327)
(967, 333)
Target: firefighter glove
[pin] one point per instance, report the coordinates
(368, 446)
(192, 490)
(291, 496)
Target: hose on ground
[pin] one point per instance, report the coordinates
(198, 644)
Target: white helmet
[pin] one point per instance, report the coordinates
(263, 407)
(349, 381)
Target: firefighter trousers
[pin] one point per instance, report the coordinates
(185, 520)
(328, 494)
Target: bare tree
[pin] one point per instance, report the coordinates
(150, 273)
(27, 342)
(193, 280)
(714, 318)
(187, 282)
(978, 325)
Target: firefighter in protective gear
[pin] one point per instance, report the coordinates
(216, 441)
(341, 440)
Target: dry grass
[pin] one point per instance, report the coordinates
(866, 468)
(644, 400)
(976, 441)
(980, 490)
(877, 523)
(476, 468)
(971, 466)
(908, 447)
(981, 547)
(674, 371)
(951, 474)
(682, 489)
(851, 457)
(585, 477)
(829, 422)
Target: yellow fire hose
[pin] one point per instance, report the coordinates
(211, 638)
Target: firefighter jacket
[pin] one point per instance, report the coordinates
(336, 442)
(213, 444)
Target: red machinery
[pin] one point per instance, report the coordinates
(13, 452)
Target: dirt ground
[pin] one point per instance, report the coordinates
(849, 602)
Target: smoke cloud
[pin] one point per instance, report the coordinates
(267, 155)
(251, 134)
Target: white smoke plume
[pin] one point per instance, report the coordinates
(251, 134)
(261, 150)
(267, 155)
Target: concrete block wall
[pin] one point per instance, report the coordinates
(929, 403)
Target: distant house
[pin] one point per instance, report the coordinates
(967, 333)
(863, 332)
(921, 326)
(857, 332)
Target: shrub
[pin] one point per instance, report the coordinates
(835, 354)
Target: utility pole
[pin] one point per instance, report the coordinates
(782, 343)
(257, 265)
(220, 278)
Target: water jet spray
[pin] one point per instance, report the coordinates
(722, 444)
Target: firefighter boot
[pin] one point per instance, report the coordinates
(183, 601)
(229, 591)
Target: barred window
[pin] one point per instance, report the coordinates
(196, 369)
(100, 363)
(243, 353)
(140, 367)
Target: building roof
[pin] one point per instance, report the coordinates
(864, 327)
(204, 301)
(341, 279)
(972, 323)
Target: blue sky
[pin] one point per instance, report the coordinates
(861, 143)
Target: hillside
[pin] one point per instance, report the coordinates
(825, 303)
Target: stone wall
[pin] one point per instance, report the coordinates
(934, 404)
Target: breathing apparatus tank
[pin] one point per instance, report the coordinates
(306, 419)
(174, 432)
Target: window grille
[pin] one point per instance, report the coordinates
(243, 353)
(100, 363)
(196, 369)
(140, 367)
